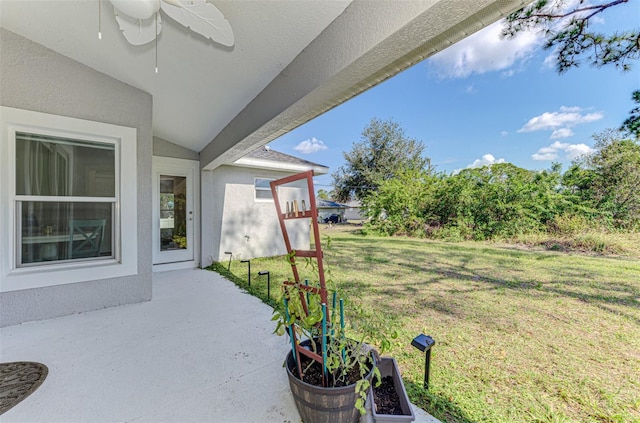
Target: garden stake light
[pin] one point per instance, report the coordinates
(230, 257)
(424, 343)
(266, 272)
(248, 271)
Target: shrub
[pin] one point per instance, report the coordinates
(569, 224)
(453, 232)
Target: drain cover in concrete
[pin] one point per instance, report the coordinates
(18, 380)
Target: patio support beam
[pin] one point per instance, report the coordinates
(369, 43)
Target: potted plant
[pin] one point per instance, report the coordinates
(329, 373)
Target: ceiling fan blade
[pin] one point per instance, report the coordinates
(203, 18)
(138, 31)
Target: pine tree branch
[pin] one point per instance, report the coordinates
(568, 32)
(550, 16)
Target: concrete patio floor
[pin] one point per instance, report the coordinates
(201, 351)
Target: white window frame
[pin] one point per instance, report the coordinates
(125, 255)
(256, 189)
(20, 199)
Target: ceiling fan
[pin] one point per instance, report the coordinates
(140, 21)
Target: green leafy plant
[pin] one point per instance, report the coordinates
(349, 347)
(181, 241)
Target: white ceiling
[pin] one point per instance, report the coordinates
(201, 85)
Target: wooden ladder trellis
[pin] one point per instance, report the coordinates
(302, 210)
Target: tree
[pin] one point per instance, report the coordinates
(632, 123)
(567, 30)
(323, 194)
(616, 177)
(498, 200)
(577, 186)
(400, 205)
(383, 152)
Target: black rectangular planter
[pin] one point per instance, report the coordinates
(389, 367)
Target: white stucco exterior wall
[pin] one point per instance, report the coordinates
(233, 220)
(164, 148)
(35, 78)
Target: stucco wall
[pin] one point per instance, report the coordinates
(242, 225)
(164, 148)
(35, 78)
(353, 213)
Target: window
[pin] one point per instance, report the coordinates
(173, 212)
(263, 189)
(70, 190)
(65, 199)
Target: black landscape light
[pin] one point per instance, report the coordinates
(266, 272)
(248, 271)
(424, 343)
(230, 257)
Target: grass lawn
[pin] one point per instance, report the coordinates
(521, 335)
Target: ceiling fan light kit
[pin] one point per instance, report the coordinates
(139, 9)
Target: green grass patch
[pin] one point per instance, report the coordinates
(521, 334)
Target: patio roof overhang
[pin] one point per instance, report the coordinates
(364, 46)
(291, 61)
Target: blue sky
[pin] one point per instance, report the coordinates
(481, 101)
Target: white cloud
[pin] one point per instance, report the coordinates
(548, 153)
(504, 133)
(562, 133)
(550, 61)
(571, 151)
(570, 109)
(576, 150)
(311, 145)
(544, 156)
(484, 52)
(560, 122)
(487, 159)
(508, 73)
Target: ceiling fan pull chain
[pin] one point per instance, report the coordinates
(158, 12)
(99, 19)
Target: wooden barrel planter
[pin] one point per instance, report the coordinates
(317, 404)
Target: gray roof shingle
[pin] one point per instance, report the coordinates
(328, 204)
(265, 153)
